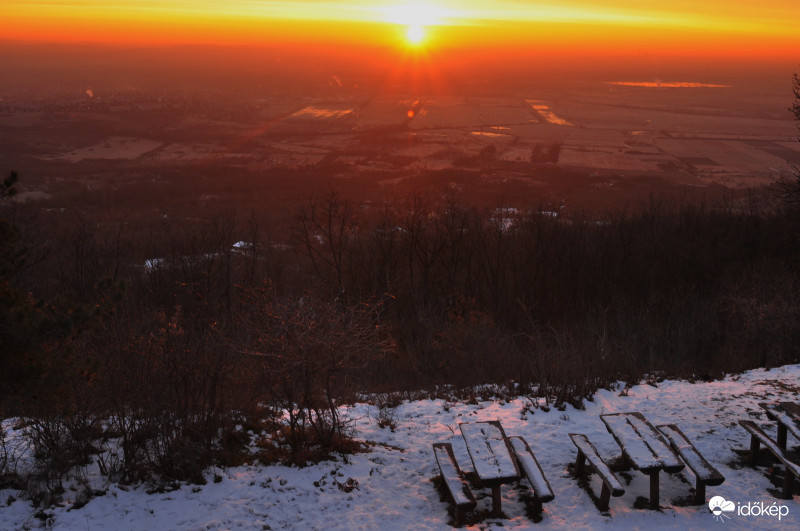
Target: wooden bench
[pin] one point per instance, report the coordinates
(641, 444)
(587, 452)
(758, 437)
(704, 473)
(529, 466)
(643, 447)
(457, 486)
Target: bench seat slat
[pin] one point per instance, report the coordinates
(590, 452)
(530, 466)
(792, 408)
(771, 445)
(776, 412)
(702, 469)
(451, 473)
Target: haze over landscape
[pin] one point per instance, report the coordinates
(692, 94)
(299, 239)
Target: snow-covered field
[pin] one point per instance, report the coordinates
(393, 486)
(115, 147)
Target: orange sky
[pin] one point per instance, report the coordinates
(715, 27)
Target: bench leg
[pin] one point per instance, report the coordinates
(605, 497)
(537, 505)
(460, 517)
(654, 504)
(788, 479)
(782, 436)
(497, 501)
(699, 493)
(754, 445)
(580, 464)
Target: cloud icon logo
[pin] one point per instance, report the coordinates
(719, 506)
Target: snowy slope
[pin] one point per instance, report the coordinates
(394, 488)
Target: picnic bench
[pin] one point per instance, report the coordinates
(492, 458)
(704, 473)
(497, 460)
(587, 452)
(643, 448)
(787, 414)
(757, 438)
(453, 478)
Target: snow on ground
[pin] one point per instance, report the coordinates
(115, 147)
(393, 483)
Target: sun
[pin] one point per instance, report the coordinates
(415, 34)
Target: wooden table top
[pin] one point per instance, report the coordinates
(489, 450)
(641, 443)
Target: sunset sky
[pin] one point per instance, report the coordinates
(767, 28)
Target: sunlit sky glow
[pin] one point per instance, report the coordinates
(771, 24)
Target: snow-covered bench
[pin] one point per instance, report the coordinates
(587, 452)
(758, 437)
(529, 466)
(704, 473)
(453, 478)
(643, 448)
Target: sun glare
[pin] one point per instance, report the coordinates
(416, 16)
(415, 34)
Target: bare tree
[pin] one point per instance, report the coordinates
(324, 227)
(422, 247)
(789, 189)
(7, 186)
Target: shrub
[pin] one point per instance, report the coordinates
(311, 354)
